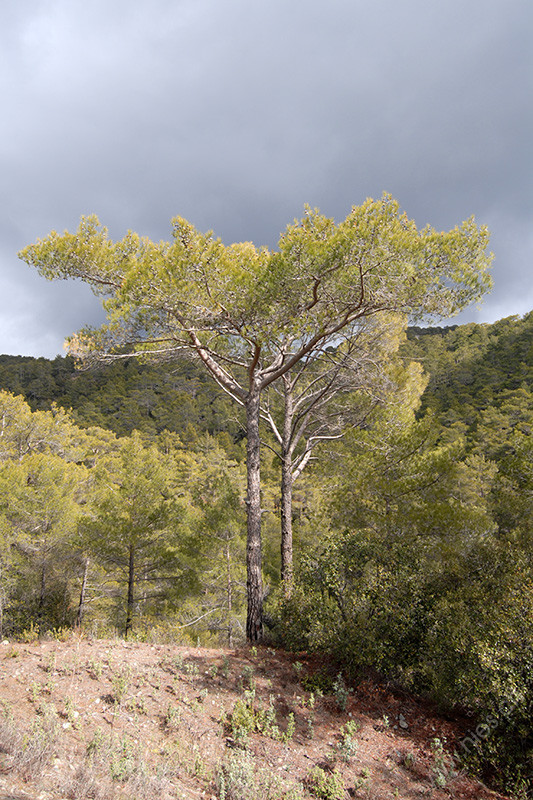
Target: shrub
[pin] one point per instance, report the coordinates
(239, 778)
(326, 785)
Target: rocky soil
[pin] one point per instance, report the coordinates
(108, 719)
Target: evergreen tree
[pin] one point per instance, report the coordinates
(137, 526)
(251, 316)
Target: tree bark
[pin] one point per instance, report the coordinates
(229, 590)
(42, 595)
(81, 604)
(286, 525)
(254, 583)
(286, 490)
(131, 583)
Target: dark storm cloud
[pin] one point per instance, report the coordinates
(235, 114)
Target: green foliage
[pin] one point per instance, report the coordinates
(25, 432)
(127, 395)
(41, 493)
(242, 721)
(347, 747)
(425, 569)
(124, 761)
(326, 785)
(251, 316)
(472, 367)
(341, 692)
(128, 517)
(217, 493)
(239, 778)
(269, 294)
(319, 682)
(442, 769)
(413, 545)
(30, 752)
(136, 526)
(172, 718)
(120, 682)
(246, 718)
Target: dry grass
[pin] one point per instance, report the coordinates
(103, 720)
(27, 754)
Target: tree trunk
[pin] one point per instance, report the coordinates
(286, 525)
(229, 590)
(81, 604)
(42, 595)
(2, 599)
(286, 490)
(131, 583)
(254, 583)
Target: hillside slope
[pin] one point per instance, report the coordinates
(109, 719)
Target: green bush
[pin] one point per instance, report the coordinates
(457, 626)
(242, 721)
(326, 785)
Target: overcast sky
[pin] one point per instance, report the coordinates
(235, 113)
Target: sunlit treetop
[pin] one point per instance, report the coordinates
(245, 303)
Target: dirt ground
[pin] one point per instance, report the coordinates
(107, 719)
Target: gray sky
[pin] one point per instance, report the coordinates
(235, 113)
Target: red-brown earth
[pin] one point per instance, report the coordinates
(107, 719)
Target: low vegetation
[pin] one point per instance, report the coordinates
(86, 719)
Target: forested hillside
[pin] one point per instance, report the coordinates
(470, 368)
(125, 395)
(122, 497)
(474, 367)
